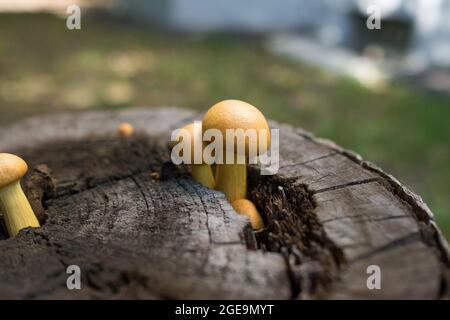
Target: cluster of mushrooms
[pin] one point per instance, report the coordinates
(230, 178)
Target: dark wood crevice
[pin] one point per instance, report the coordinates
(292, 229)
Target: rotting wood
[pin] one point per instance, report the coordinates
(329, 216)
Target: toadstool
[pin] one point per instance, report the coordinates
(231, 176)
(125, 129)
(16, 209)
(201, 172)
(247, 208)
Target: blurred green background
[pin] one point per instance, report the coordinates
(45, 67)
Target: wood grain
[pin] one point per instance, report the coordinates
(140, 228)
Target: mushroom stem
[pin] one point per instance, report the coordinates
(202, 173)
(16, 209)
(231, 179)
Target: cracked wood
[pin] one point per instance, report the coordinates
(330, 215)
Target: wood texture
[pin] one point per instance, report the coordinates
(140, 228)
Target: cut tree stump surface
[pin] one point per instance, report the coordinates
(139, 227)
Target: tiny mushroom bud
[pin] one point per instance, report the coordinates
(201, 172)
(16, 209)
(248, 127)
(247, 208)
(125, 129)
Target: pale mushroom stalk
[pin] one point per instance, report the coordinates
(202, 173)
(231, 179)
(18, 213)
(16, 209)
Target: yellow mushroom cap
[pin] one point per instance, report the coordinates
(125, 129)
(12, 168)
(247, 208)
(236, 114)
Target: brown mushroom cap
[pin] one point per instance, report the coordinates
(236, 114)
(12, 168)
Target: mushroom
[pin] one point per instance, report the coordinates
(16, 209)
(202, 173)
(247, 208)
(125, 129)
(231, 178)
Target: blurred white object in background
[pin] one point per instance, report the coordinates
(331, 22)
(339, 60)
(387, 7)
(430, 24)
(57, 6)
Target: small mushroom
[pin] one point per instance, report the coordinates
(247, 208)
(16, 209)
(125, 129)
(202, 173)
(231, 178)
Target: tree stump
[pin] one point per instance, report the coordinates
(139, 227)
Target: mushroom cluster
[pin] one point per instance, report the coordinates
(231, 176)
(17, 212)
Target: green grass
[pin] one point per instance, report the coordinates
(45, 67)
